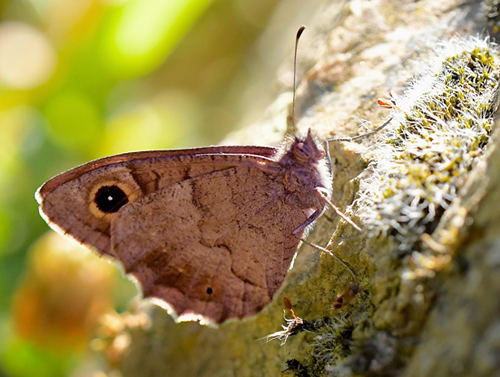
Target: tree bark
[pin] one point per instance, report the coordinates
(436, 316)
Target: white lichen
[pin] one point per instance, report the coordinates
(440, 128)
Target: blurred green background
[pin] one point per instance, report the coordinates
(83, 79)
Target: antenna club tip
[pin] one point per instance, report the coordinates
(300, 31)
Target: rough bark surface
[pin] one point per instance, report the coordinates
(447, 323)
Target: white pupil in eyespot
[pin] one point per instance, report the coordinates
(110, 198)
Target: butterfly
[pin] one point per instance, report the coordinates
(206, 232)
(210, 231)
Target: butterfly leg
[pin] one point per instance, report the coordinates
(308, 222)
(325, 250)
(322, 193)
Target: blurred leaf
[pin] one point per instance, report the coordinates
(158, 123)
(5, 229)
(74, 120)
(21, 358)
(141, 33)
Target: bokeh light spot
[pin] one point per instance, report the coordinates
(58, 315)
(27, 59)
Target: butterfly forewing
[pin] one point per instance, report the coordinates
(68, 201)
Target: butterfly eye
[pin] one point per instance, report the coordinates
(303, 151)
(110, 199)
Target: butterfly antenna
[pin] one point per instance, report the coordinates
(297, 37)
(364, 135)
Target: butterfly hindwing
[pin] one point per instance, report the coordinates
(217, 244)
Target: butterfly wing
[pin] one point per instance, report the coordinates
(217, 245)
(67, 201)
(208, 233)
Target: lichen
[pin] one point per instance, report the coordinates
(441, 127)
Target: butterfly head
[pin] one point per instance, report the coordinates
(305, 151)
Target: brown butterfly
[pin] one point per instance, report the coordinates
(209, 231)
